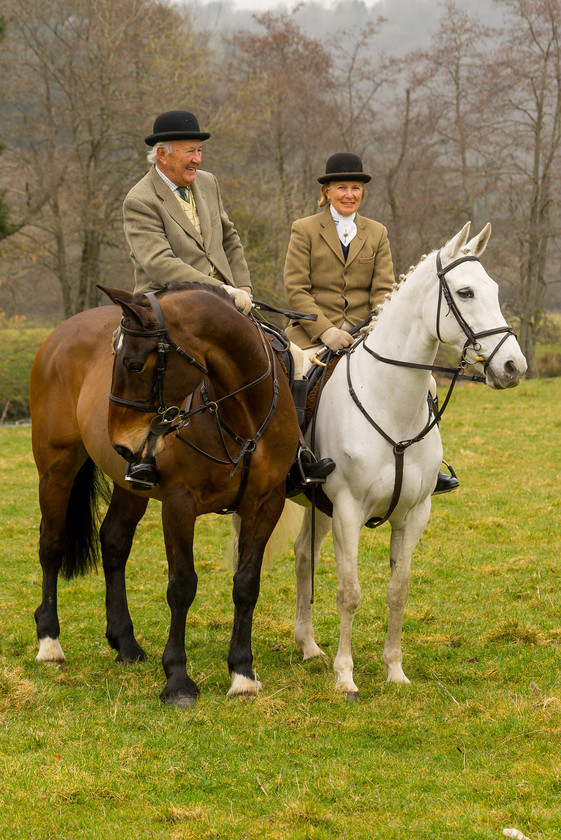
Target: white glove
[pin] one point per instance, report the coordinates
(242, 297)
(336, 339)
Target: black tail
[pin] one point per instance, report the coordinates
(83, 520)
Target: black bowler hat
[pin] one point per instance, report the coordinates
(344, 167)
(176, 125)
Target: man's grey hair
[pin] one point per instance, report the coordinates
(152, 155)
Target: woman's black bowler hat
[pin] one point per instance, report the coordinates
(344, 167)
(176, 125)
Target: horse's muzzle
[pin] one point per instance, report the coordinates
(148, 447)
(507, 374)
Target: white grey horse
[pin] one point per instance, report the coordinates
(373, 420)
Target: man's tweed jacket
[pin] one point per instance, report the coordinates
(164, 244)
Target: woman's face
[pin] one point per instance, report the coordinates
(345, 196)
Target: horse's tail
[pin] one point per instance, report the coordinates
(82, 521)
(285, 532)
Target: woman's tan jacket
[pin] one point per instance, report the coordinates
(318, 280)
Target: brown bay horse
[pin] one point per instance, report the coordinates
(196, 383)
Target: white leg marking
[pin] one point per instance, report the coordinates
(50, 650)
(243, 685)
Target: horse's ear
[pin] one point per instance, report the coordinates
(123, 299)
(116, 295)
(478, 244)
(456, 243)
(137, 313)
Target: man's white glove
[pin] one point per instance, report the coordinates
(336, 339)
(242, 297)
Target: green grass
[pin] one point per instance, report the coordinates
(469, 748)
(19, 346)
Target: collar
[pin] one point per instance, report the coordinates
(337, 217)
(173, 187)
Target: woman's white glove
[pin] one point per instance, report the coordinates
(368, 327)
(336, 339)
(242, 297)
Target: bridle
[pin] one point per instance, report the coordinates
(165, 344)
(471, 337)
(171, 419)
(435, 415)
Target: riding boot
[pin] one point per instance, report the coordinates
(299, 390)
(445, 483)
(306, 468)
(142, 475)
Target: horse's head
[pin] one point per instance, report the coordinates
(142, 394)
(468, 314)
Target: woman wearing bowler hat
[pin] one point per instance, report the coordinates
(339, 265)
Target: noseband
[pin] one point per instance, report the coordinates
(165, 343)
(471, 337)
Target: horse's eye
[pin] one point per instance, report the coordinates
(134, 367)
(465, 293)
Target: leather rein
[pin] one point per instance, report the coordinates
(171, 419)
(435, 414)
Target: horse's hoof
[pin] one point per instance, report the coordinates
(244, 686)
(130, 657)
(351, 696)
(50, 650)
(180, 701)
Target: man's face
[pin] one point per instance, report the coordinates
(181, 165)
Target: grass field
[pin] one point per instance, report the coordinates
(19, 346)
(470, 748)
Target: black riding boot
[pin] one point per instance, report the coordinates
(142, 475)
(306, 468)
(445, 483)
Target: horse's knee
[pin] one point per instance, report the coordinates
(348, 597)
(398, 592)
(181, 590)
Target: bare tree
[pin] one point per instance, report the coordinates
(280, 81)
(527, 74)
(82, 84)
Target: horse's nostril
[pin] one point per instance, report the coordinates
(124, 451)
(510, 369)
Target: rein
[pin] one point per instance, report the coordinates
(171, 419)
(247, 445)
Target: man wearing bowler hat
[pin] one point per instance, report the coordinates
(177, 229)
(175, 223)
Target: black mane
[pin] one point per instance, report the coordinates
(181, 286)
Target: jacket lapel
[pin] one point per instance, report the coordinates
(329, 234)
(359, 240)
(202, 205)
(174, 208)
